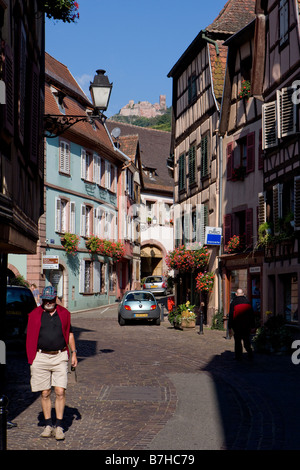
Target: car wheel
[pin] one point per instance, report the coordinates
(121, 321)
(157, 321)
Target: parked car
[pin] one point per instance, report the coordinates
(155, 284)
(19, 303)
(138, 305)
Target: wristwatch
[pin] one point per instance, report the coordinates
(75, 350)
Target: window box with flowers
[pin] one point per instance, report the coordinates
(239, 173)
(103, 247)
(234, 244)
(245, 90)
(70, 243)
(183, 316)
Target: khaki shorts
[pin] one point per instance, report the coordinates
(49, 370)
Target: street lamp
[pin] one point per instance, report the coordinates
(100, 90)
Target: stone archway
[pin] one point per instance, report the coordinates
(152, 258)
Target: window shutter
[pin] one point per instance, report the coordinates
(22, 84)
(283, 21)
(229, 160)
(9, 107)
(72, 217)
(178, 230)
(201, 223)
(297, 203)
(181, 175)
(277, 208)
(186, 227)
(57, 214)
(96, 276)
(81, 276)
(250, 152)
(64, 161)
(262, 216)
(192, 165)
(83, 164)
(204, 156)
(34, 121)
(269, 125)
(249, 227)
(227, 228)
(83, 220)
(286, 112)
(260, 152)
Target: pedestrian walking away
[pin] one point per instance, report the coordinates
(241, 321)
(49, 337)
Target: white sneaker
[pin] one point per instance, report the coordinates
(59, 433)
(47, 432)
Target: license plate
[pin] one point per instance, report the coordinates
(153, 287)
(141, 314)
(14, 312)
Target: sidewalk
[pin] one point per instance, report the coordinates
(145, 387)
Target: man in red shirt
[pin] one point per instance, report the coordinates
(49, 333)
(241, 321)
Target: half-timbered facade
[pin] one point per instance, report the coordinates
(276, 79)
(242, 174)
(198, 79)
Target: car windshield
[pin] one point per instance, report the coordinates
(15, 295)
(139, 296)
(154, 279)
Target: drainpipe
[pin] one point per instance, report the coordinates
(220, 215)
(211, 41)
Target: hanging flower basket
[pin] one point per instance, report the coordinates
(66, 10)
(103, 247)
(70, 243)
(184, 260)
(205, 281)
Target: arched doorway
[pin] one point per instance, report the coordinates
(151, 260)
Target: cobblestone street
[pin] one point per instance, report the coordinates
(146, 387)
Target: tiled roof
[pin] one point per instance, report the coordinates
(128, 144)
(59, 72)
(94, 135)
(154, 151)
(234, 16)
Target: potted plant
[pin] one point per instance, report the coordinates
(70, 243)
(183, 316)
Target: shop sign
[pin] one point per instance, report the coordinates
(213, 235)
(51, 262)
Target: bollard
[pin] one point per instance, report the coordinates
(162, 318)
(201, 324)
(3, 421)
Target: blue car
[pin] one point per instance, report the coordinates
(138, 305)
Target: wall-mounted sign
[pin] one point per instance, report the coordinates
(213, 235)
(50, 262)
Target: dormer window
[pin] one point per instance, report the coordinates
(59, 98)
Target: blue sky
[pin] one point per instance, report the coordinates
(137, 42)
